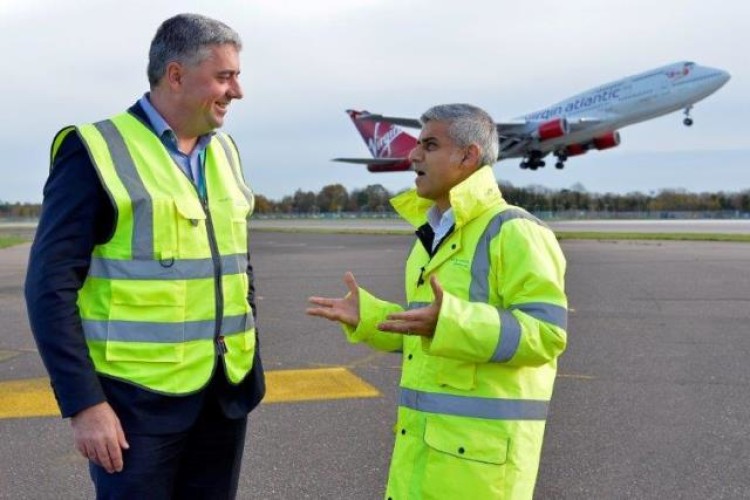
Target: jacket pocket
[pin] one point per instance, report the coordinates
(461, 375)
(467, 439)
(465, 458)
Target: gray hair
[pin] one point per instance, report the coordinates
(467, 125)
(186, 38)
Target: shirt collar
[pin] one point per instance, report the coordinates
(436, 219)
(161, 127)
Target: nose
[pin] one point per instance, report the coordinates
(415, 155)
(235, 90)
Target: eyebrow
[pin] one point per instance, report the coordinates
(427, 139)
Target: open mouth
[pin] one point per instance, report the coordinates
(419, 173)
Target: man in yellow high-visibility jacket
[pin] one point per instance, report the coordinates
(484, 324)
(140, 288)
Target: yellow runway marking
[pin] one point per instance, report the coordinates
(27, 398)
(316, 384)
(33, 397)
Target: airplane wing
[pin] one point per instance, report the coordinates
(522, 129)
(393, 120)
(370, 161)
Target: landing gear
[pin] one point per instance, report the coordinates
(533, 161)
(687, 121)
(561, 158)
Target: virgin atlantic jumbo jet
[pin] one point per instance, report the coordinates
(586, 121)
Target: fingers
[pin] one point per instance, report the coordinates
(437, 289)
(323, 312)
(351, 283)
(321, 301)
(99, 436)
(103, 458)
(405, 328)
(114, 456)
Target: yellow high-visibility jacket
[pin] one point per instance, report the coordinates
(474, 397)
(168, 291)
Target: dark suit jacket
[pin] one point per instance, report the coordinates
(77, 214)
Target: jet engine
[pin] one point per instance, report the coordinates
(575, 150)
(606, 141)
(551, 129)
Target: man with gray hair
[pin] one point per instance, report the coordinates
(140, 290)
(484, 323)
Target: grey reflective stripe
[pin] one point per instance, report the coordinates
(417, 305)
(143, 209)
(141, 331)
(464, 406)
(479, 290)
(236, 169)
(182, 269)
(549, 313)
(510, 337)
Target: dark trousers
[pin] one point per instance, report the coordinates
(202, 462)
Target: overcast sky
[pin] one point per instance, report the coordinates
(305, 61)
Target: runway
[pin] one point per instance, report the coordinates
(651, 401)
(733, 226)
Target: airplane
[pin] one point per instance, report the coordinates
(586, 121)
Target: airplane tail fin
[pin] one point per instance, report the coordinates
(388, 144)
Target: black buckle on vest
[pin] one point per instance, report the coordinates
(167, 262)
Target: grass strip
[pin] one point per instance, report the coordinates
(604, 235)
(561, 235)
(9, 241)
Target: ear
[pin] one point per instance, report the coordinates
(173, 75)
(471, 157)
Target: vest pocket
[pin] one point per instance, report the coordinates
(239, 211)
(146, 321)
(190, 221)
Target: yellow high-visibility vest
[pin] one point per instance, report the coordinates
(473, 398)
(166, 296)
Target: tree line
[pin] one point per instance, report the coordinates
(335, 198)
(373, 199)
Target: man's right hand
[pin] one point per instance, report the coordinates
(99, 436)
(345, 310)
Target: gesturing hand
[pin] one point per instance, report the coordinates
(420, 321)
(345, 310)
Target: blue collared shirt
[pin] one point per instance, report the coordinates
(440, 223)
(189, 163)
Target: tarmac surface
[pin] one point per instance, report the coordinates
(652, 399)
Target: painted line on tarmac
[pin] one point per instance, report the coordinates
(575, 376)
(33, 397)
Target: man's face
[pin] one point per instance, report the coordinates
(437, 161)
(208, 88)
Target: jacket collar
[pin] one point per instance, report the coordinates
(468, 199)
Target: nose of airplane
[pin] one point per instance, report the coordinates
(714, 78)
(718, 76)
(724, 76)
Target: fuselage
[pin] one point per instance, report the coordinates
(627, 101)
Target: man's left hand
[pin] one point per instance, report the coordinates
(421, 321)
